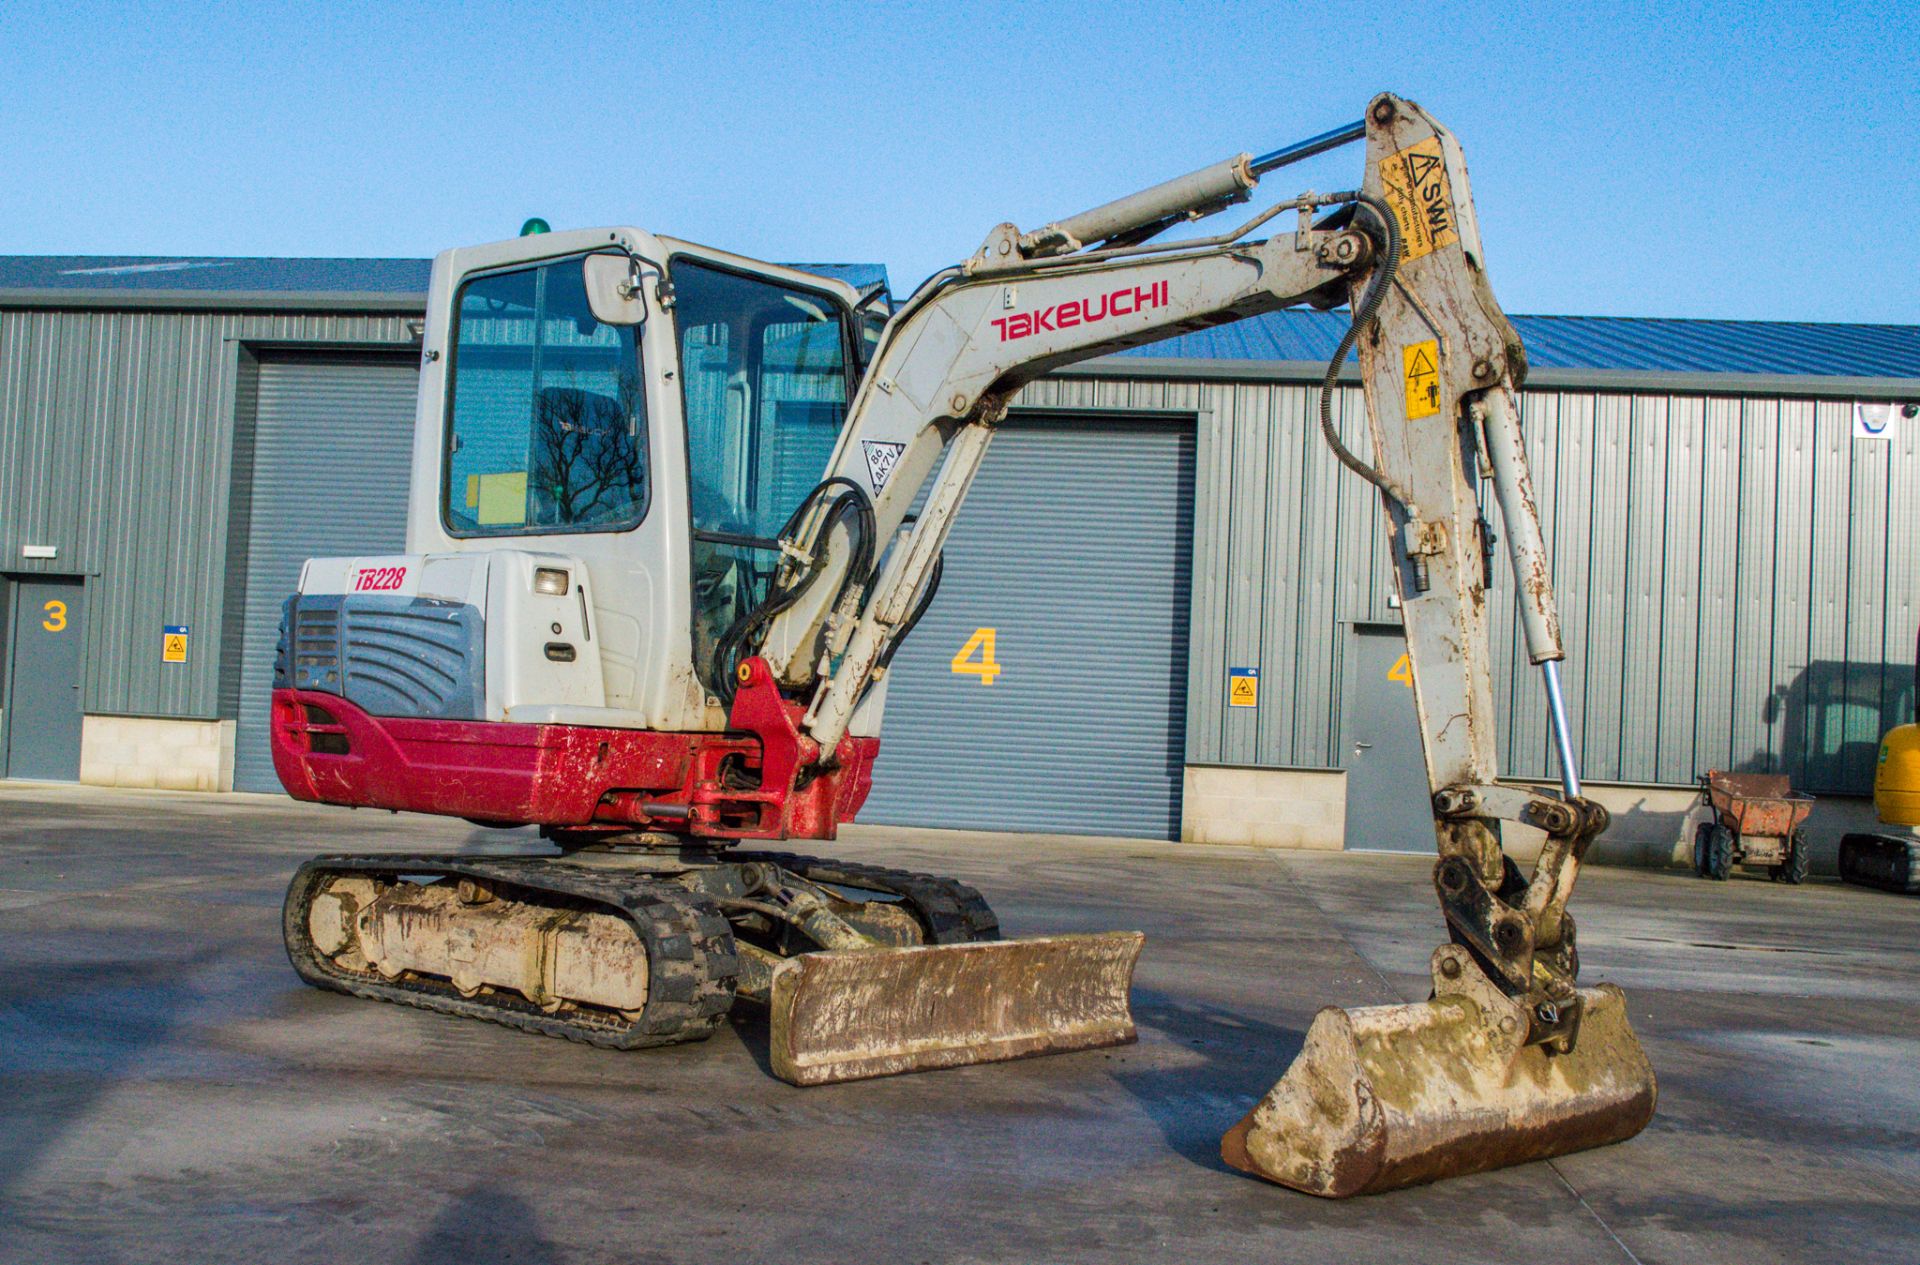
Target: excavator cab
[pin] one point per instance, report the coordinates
(616, 434)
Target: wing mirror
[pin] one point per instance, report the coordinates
(614, 290)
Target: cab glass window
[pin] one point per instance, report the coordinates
(763, 369)
(547, 428)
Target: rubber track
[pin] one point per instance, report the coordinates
(951, 911)
(1887, 862)
(691, 959)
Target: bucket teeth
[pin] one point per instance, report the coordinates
(1387, 1096)
(847, 1015)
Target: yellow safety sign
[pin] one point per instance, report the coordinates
(1421, 363)
(1243, 687)
(1415, 182)
(173, 643)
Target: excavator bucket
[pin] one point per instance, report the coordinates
(850, 1014)
(1387, 1096)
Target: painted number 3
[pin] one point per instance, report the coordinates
(56, 618)
(985, 667)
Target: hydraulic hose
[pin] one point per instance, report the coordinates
(1376, 294)
(743, 635)
(919, 609)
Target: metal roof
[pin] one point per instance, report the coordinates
(1601, 343)
(208, 275)
(1633, 344)
(214, 275)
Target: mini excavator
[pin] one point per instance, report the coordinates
(672, 513)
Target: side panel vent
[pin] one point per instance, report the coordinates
(391, 656)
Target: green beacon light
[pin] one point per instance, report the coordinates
(534, 227)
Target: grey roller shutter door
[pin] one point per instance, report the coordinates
(333, 445)
(1075, 547)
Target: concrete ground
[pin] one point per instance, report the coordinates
(169, 1091)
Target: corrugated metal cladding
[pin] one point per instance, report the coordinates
(117, 448)
(1737, 578)
(332, 452)
(1074, 550)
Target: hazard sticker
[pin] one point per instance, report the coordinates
(1415, 182)
(881, 459)
(1243, 687)
(173, 643)
(1421, 363)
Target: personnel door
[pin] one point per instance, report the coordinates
(43, 680)
(1387, 801)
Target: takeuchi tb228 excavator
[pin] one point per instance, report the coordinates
(663, 545)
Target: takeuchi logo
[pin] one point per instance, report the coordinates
(1122, 302)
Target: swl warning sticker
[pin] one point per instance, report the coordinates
(881, 459)
(1243, 687)
(1415, 182)
(1421, 363)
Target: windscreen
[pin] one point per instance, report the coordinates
(547, 419)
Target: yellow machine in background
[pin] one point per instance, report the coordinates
(1888, 861)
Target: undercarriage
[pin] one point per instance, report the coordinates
(647, 942)
(1888, 862)
(614, 947)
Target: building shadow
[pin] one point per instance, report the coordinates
(485, 1224)
(70, 1035)
(1829, 719)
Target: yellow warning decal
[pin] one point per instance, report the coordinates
(1421, 365)
(1243, 687)
(1415, 182)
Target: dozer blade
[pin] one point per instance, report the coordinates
(844, 1015)
(1387, 1096)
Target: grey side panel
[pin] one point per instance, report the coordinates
(389, 656)
(332, 446)
(1075, 547)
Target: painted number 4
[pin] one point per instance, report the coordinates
(985, 667)
(1401, 671)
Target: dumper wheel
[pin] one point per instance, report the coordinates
(1794, 868)
(1714, 852)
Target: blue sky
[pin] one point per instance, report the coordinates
(1753, 161)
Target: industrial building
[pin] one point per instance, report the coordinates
(1164, 613)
